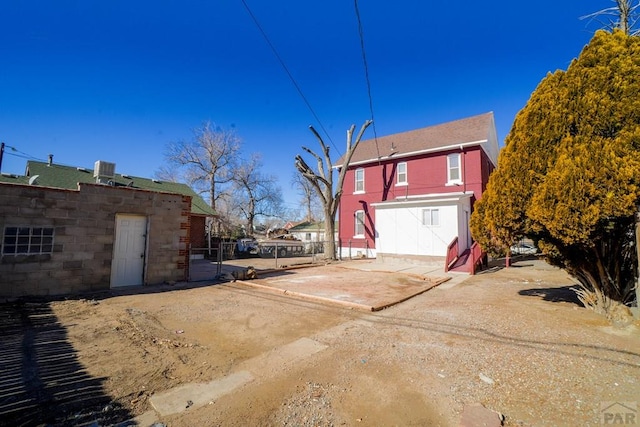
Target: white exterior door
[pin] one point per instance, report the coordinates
(127, 268)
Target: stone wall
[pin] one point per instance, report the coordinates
(84, 222)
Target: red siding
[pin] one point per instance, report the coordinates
(426, 174)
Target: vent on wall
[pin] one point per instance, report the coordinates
(103, 171)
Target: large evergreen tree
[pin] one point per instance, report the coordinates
(569, 174)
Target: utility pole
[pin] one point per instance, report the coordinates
(1, 154)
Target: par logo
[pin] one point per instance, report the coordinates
(619, 413)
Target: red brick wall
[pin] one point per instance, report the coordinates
(198, 236)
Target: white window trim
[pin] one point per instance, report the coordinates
(457, 181)
(406, 175)
(430, 210)
(355, 224)
(355, 188)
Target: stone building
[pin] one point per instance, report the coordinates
(71, 230)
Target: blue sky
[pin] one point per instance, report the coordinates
(116, 80)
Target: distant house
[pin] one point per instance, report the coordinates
(410, 195)
(290, 224)
(69, 230)
(312, 234)
(308, 231)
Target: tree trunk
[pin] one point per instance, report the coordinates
(329, 233)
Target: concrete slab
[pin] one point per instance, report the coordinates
(195, 395)
(426, 269)
(338, 284)
(284, 356)
(372, 284)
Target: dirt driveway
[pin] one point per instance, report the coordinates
(514, 340)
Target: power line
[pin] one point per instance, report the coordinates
(20, 154)
(366, 74)
(286, 69)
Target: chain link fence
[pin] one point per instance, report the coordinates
(225, 257)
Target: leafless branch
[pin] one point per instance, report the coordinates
(624, 16)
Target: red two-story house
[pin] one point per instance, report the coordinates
(411, 194)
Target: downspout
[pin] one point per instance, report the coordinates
(145, 266)
(464, 191)
(464, 170)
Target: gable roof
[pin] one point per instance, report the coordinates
(68, 177)
(475, 130)
(308, 226)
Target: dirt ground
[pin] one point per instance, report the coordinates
(514, 340)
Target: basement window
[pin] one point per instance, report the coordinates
(27, 240)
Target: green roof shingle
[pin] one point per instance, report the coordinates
(68, 177)
(308, 226)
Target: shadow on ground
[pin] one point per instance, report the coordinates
(563, 294)
(41, 380)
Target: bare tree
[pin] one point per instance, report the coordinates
(168, 173)
(308, 197)
(207, 160)
(228, 220)
(626, 14)
(322, 180)
(256, 194)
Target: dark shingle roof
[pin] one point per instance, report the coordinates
(475, 129)
(68, 177)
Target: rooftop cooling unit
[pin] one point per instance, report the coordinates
(103, 171)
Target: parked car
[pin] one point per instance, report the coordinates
(523, 248)
(247, 247)
(281, 248)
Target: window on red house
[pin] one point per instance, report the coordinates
(401, 178)
(359, 181)
(359, 227)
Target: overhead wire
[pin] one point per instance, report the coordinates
(21, 154)
(366, 75)
(286, 69)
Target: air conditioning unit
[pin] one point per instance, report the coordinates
(104, 169)
(104, 172)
